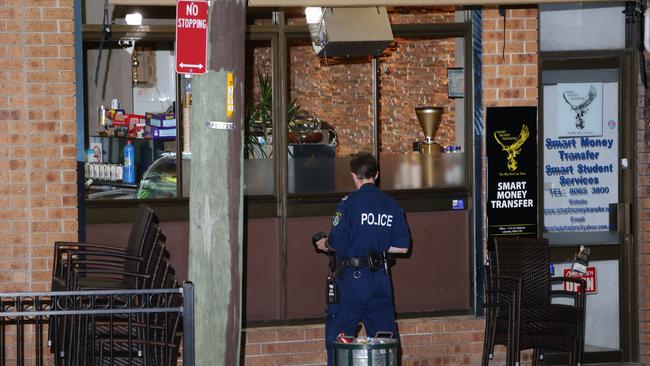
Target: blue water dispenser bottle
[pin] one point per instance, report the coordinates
(128, 176)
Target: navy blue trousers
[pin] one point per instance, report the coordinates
(368, 299)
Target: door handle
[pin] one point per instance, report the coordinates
(622, 222)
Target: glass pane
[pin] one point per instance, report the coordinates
(133, 108)
(602, 332)
(413, 170)
(335, 116)
(330, 118)
(416, 74)
(154, 96)
(338, 92)
(258, 141)
(93, 11)
(581, 128)
(259, 166)
(397, 171)
(579, 26)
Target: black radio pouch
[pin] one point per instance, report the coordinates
(332, 290)
(374, 260)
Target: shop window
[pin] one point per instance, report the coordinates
(259, 178)
(130, 91)
(131, 95)
(417, 73)
(334, 116)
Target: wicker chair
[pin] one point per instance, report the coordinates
(500, 295)
(519, 308)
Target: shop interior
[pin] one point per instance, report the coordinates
(350, 100)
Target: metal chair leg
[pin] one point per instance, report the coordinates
(488, 339)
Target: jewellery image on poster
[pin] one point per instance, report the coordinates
(579, 109)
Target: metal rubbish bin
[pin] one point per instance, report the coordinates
(362, 352)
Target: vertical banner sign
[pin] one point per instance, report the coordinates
(191, 37)
(581, 158)
(511, 148)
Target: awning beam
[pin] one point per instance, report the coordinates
(340, 3)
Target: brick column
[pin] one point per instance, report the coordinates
(643, 212)
(37, 139)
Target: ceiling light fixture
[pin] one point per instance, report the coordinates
(313, 15)
(133, 19)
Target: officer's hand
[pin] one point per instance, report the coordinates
(322, 245)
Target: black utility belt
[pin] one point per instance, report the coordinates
(353, 262)
(374, 261)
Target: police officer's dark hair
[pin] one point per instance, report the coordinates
(364, 165)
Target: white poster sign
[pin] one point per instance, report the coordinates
(579, 109)
(580, 172)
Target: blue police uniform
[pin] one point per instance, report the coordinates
(365, 220)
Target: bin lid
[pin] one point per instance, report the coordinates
(363, 343)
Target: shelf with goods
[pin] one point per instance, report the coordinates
(135, 65)
(105, 162)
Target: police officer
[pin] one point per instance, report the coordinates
(366, 220)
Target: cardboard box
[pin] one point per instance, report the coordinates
(129, 121)
(157, 133)
(161, 120)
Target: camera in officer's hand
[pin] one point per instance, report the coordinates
(316, 237)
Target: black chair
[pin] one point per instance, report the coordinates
(105, 256)
(123, 272)
(159, 274)
(113, 268)
(520, 311)
(145, 339)
(155, 340)
(71, 329)
(499, 304)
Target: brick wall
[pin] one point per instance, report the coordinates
(37, 139)
(424, 342)
(510, 78)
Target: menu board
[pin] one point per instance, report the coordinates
(580, 156)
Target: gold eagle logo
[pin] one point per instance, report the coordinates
(515, 148)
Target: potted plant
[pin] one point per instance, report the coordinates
(258, 136)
